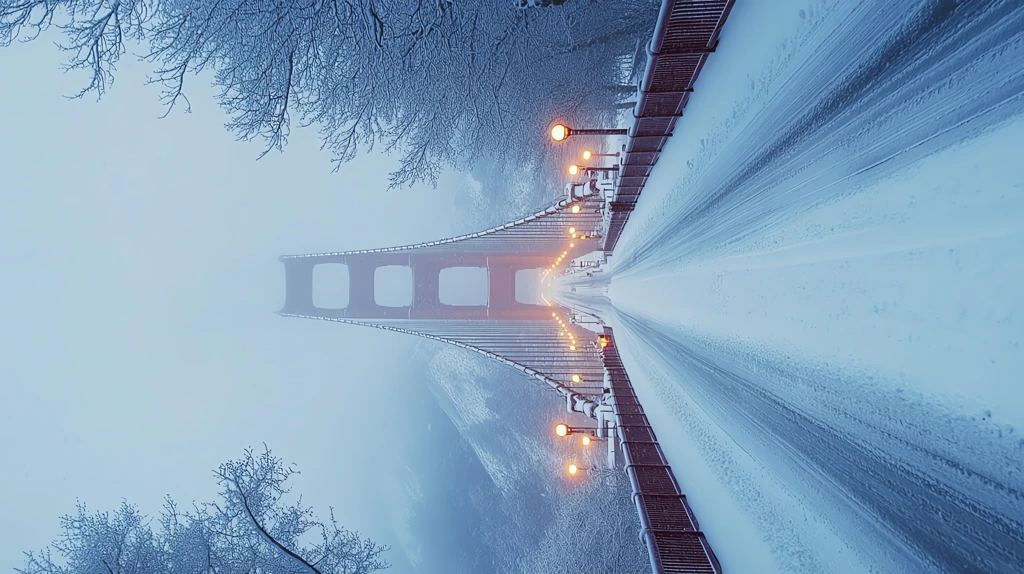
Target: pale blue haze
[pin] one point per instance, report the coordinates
(139, 347)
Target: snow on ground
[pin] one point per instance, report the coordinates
(817, 296)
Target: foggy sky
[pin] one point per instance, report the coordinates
(139, 347)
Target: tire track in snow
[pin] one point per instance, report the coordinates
(930, 511)
(862, 105)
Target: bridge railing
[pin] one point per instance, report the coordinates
(686, 33)
(668, 526)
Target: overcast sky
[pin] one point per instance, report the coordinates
(139, 347)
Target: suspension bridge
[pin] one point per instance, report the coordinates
(548, 342)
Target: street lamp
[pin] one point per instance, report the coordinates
(572, 469)
(559, 132)
(562, 429)
(587, 154)
(572, 230)
(576, 378)
(585, 440)
(576, 209)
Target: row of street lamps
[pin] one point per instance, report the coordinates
(575, 208)
(559, 133)
(588, 435)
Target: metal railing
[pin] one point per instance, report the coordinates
(667, 525)
(686, 33)
(533, 348)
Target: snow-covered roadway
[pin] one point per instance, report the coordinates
(819, 295)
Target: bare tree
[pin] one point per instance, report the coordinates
(250, 529)
(96, 31)
(117, 543)
(443, 83)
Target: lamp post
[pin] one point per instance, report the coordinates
(562, 430)
(583, 320)
(573, 469)
(560, 132)
(587, 154)
(589, 170)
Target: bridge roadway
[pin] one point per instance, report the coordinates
(822, 309)
(685, 35)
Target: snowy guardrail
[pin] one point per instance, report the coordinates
(667, 525)
(686, 33)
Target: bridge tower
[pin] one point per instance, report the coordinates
(426, 266)
(533, 242)
(533, 338)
